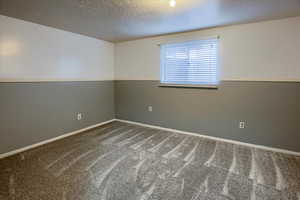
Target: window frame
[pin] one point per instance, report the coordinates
(181, 85)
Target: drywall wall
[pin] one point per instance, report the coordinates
(32, 52)
(34, 112)
(263, 57)
(271, 110)
(259, 51)
(38, 98)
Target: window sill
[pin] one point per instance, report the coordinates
(189, 86)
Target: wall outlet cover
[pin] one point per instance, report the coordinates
(242, 125)
(79, 116)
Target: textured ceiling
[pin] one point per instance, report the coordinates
(119, 20)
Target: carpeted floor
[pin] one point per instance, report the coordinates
(120, 161)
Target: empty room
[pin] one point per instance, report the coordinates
(150, 99)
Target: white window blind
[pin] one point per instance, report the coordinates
(190, 63)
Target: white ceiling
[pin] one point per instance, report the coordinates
(119, 20)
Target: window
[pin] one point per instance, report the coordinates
(193, 63)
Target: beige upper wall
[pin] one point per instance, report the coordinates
(265, 51)
(32, 52)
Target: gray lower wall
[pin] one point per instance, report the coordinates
(34, 112)
(271, 110)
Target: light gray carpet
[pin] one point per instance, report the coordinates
(120, 161)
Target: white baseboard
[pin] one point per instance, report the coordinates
(4, 155)
(214, 138)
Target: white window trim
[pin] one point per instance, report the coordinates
(208, 86)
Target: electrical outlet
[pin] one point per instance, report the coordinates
(150, 109)
(79, 116)
(242, 124)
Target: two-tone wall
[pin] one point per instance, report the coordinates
(47, 76)
(260, 73)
